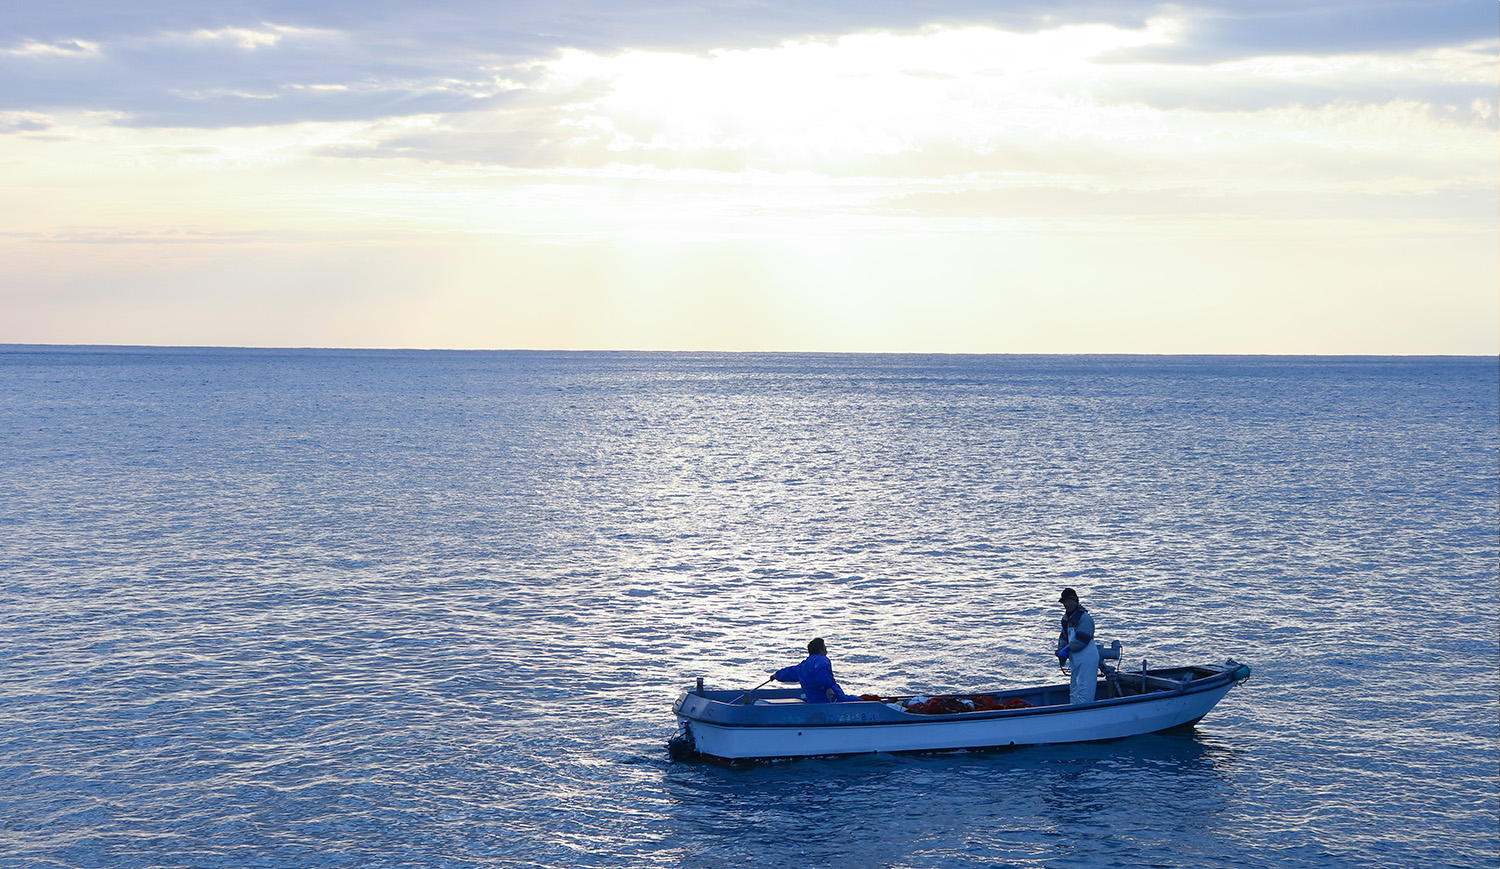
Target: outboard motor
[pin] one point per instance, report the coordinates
(1111, 674)
(1105, 654)
(682, 746)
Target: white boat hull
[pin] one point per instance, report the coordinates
(783, 727)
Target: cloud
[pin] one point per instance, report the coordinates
(954, 102)
(1235, 31)
(24, 122)
(1455, 204)
(69, 48)
(254, 62)
(1456, 81)
(251, 38)
(246, 76)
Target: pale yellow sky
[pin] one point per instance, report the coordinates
(961, 189)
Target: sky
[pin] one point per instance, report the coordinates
(954, 176)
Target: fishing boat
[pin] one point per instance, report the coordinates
(767, 724)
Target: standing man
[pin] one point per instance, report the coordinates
(1076, 644)
(815, 673)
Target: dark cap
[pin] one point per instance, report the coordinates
(817, 647)
(1068, 594)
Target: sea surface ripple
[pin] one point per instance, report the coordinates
(426, 609)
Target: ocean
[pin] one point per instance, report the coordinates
(317, 608)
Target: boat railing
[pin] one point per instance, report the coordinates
(1165, 684)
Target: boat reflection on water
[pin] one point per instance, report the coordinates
(1169, 793)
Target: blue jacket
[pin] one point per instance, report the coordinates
(816, 676)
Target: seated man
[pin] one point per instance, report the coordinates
(815, 674)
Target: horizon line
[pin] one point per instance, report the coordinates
(12, 347)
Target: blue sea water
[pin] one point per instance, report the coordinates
(266, 608)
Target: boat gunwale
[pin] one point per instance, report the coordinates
(1220, 678)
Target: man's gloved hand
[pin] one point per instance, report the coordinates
(1062, 654)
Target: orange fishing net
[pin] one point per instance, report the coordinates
(950, 704)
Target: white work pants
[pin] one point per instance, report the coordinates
(1085, 674)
